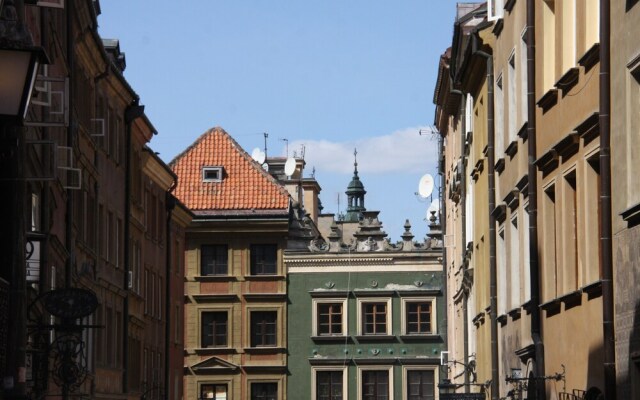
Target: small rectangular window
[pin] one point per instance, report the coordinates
(263, 328)
(214, 260)
(264, 391)
(329, 385)
(374, 321)
(214, 329)
(419, 317)
(375, 385)
(264, 259)
(420, 385)
(329, 319)
(212, 174)
(214, 391)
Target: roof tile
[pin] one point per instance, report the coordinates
(245, 186)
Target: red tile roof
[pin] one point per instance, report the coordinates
(245, 185)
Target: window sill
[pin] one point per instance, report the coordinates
(274, 277)
(214, 278)
(265, 350)
(375, 338)
(331, 338)
(548, 100)
(215, 350)
(431, 337)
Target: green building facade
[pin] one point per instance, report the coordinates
(366, 318)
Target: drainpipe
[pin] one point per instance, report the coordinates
(463, 235)
(605, 203)
(170, 203)
(534, 274)
(131, 113)
(493, 292)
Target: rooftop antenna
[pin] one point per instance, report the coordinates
(287, 142)
(313, 173)
(302, 151)
(431, 131)
(266, 135)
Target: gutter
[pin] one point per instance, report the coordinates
(131, 113)
(605, 202)
(170, 203)
(534, 273)
(493, 292)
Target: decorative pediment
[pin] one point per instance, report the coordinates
(214, 365)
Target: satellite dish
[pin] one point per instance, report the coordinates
(290, 166)
(425, 186)
(265, 166)
(258, 155)
(435, 206)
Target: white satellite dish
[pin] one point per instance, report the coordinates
(435, 206)
(258, 155)
(290, 166)
(425, 186)
(265, 166)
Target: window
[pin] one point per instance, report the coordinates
(499, 118)
(418, 317)
(501, 270)
(329, 385)
(264, 391)
(375, 318)
(570, 234)
(420, 384)
(263, 328)
(215, 391)
(512, 111)
(514, 264)
(548, 43)
(264, 259)
(212, 174)
(495, 9)
(330, 318)
(214, 260)
(375, 384)
(214, 329)
(548, 245)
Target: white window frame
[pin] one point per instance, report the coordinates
(432, 300)
(436, 378)
(362, 302)
(217, 169)
(345, 380)
(498, 5)
(388, 368)
(317, 302)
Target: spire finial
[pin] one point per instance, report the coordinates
(355, 160)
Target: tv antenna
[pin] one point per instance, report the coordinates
(431, 131)
(266, 135)
(287, 144)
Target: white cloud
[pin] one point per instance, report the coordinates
(404, 151)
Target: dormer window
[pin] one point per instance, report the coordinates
(212, 174)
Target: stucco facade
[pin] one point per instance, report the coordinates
(625, 146)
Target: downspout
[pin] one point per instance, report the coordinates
(170, 203)
(70, 142)
(131, 113)
(493, 292)
(605, 203)
(532, 171)
(463, 235)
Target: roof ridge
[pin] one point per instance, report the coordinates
(194, 144)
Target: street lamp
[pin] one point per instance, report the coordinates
(446, 387)
(19, 61)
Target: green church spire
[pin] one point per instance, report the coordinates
(355, 194)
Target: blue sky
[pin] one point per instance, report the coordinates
(330, 75)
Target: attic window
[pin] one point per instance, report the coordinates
(212, 174)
